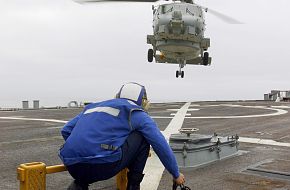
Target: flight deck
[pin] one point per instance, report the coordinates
(262, 162)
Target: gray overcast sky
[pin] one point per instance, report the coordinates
(58, 50)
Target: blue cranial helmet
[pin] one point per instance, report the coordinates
(133, 91)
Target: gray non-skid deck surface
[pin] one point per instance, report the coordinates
(29, 141)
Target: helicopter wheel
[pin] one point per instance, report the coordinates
(182, 74)
(205, 58)
(150, 55)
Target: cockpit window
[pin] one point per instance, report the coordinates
(189, 12)
(164, 9)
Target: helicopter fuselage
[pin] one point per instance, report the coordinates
(178, 33)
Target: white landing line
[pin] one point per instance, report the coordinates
(278, 112)
(33, 119)
(154, 168)
(189, 109)
(174, 114)
(281, 107)
(263, 141)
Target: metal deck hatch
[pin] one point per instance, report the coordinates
(194, 150)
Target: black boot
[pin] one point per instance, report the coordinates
(76, 186)
(134, 180)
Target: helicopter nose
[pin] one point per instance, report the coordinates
(176, 23)
(177, 15)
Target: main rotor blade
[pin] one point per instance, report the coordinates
(96, 1)
(222, 16)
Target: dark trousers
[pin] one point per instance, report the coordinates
(135, 152)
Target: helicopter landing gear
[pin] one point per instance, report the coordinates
(150, 55)
(180, 72)
(205, 60)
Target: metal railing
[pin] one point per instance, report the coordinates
(32, 176)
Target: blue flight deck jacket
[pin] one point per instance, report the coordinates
(106, 125)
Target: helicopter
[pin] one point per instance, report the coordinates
(178, 33)
(178, 37)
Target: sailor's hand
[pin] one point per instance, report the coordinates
(180, 180)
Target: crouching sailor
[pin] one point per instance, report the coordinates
(109, 136)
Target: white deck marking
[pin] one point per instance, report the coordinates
(34, 119)
(154, 168)
(284, 137)
(188, 114)
(281, 107)
(278, 112)
(263, 141)
(205, 106)
(189, 109)
(172, 110)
